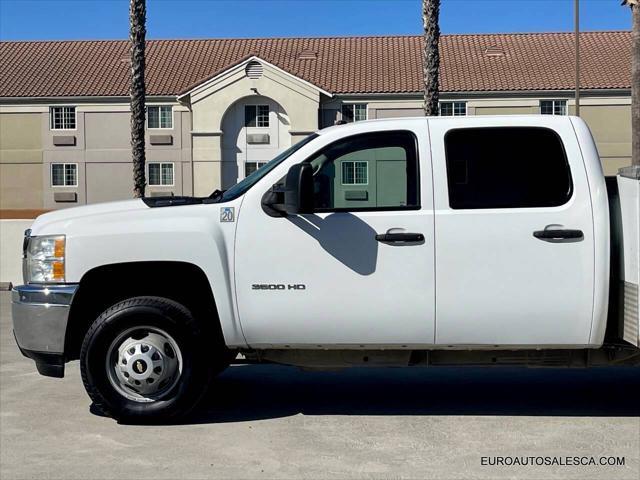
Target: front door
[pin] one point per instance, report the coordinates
(514, 234)
(323, 279)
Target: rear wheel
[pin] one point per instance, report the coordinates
(147, 359)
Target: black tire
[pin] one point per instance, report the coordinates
(193, 343)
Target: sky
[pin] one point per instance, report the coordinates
(108, 19)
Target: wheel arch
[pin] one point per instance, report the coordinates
(105, 285)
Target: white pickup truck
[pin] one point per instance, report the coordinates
(415, 241)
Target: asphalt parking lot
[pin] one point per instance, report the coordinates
(279, 422)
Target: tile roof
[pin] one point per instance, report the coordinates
(380, 64)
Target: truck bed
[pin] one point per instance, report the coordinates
(623, 323)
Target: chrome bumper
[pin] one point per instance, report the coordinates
(40, 315)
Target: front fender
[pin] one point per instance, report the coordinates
(190, 234)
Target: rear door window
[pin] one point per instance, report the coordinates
(506, 167)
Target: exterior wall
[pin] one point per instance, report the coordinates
(388, 107)
(504, 110)
(102, 149)
(11, 237)
(102, 152)
(236, 149)
(63, 154)
(20, 159)
(503, 106)
(611, 127)
(394, 108)
(211, 102)
(609, 118)
(398, 112)
(21, 185)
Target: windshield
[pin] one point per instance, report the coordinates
(248, 182)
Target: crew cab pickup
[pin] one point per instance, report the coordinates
(415, 241)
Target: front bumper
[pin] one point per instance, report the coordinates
(40, 314)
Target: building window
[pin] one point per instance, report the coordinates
(354, 112)
(256, 115)
(506, 167)
(160, 116)
(453, 109)
(250, 167)
(160, 174)
(355, 173)
(64, 174)
(63, 118)
(553, 107)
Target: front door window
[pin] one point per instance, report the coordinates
(364, 172)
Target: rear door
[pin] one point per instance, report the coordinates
(514, 233)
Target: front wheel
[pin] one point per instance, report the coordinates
(146, 359)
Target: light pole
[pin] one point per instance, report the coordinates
(577, 39)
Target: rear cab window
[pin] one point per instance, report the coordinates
(506, 167)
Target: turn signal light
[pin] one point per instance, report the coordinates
(58, 271)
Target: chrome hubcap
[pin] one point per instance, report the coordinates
(144, 364)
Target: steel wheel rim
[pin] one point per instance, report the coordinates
(144, 364)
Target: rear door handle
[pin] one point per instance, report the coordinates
(399, 237)
(558, 235)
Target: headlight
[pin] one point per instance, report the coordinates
(45, 259)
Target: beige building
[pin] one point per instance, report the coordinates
(219, 109)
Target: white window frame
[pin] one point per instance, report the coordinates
(258, 116)
(257, 105)
(366, 111)
(173, 174)
(51, 117)
(343, 162)
(159, 117)
(64, 168)
(555, 101)
(453, 108)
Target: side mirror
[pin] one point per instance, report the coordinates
(298, 189)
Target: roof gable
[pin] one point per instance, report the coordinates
(202, 83)
(340, 65)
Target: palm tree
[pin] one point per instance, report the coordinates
(137, 33)
(635, 80)
(431, 61)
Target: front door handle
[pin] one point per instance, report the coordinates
(558, 235)
(400, 237)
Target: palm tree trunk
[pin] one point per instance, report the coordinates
(431, 61)
(137, 33)
(635, 86)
